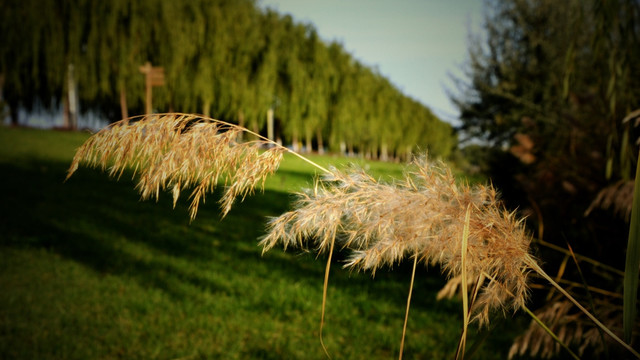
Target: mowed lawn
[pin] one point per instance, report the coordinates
(88, 271)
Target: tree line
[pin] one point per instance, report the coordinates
(227, 59)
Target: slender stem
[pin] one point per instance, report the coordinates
(591, 288)
(305, 159)
(580, 257)
(632, 262)
(320, 167)
(539, 270)
(563, 266)
(406, 315)
(551, 333)
(324, 295)
(463, 286)
(589, 297)
(539, 322)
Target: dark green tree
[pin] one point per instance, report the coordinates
(551, 84)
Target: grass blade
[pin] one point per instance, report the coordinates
(632, 263)
(533, 265)
(406, 315)
(550, 332)
(593, 262)
(589, 297)
(540, 322)
(324, 295)
(463, 271)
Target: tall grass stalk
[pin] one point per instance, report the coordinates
(464, 229)
(598, 323)
(551, 333)
(543, 326)
(406, 314)
(595, 263)
(632, 264)
(589, 297)
(463, 275)
(325, 286)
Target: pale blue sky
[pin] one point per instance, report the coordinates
(414, 43)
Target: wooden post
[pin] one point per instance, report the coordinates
(206, 108)
(146, 70)
(270, 124)
(72, 98)
(154, 76)
(123, 102)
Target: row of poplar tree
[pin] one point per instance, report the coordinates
(223, 58)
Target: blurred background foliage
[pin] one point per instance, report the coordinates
(548, 108)
(547, 91)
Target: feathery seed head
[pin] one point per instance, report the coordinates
(178, 151)
(423, 215)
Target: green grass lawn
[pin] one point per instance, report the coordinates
(87, 271)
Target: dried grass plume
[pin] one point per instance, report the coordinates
(423, 215)
(178, 151)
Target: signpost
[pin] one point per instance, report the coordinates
(154, 76)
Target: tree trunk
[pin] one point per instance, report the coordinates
(206, 108)
(65, 112)
(124, 111)
(270, 135)
(408, 154)
(384, 152)
(374, 152)
(72, 97)
(308, 137)
(320, 142)
(241, 123)
(294, 141)
(3, 103)
(14, 113)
